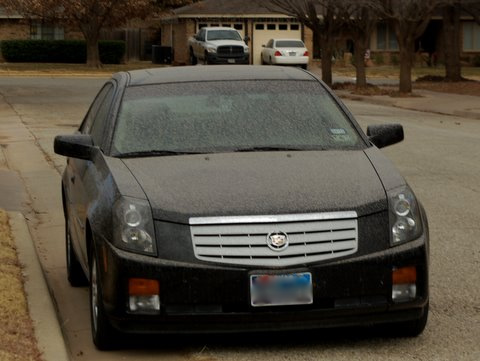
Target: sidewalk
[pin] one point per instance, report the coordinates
(466, 106)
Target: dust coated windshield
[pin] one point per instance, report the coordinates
(221, 116)
(223, 35)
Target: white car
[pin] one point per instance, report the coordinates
(285, 52)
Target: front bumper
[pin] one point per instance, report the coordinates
(290, 60)
(214, 58)
(203, 297)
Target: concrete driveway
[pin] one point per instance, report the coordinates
(440, 158)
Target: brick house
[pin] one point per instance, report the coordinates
(248, 17)
(260, 24)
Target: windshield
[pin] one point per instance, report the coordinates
(289, 44)
(221, 116)
(223, 35)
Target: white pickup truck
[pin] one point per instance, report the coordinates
(218, 45)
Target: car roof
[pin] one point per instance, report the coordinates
(275, 39)
(182, 74)
(218, 28)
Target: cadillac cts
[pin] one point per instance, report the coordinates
(233, 199)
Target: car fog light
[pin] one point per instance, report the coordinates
(404, 287)
(144, 304)
(144, 295)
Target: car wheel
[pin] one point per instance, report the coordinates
(193, 59)
(205, 59)
(410, 328)
(304, 66)
(263, 61)
(103, 333)
(76, 276)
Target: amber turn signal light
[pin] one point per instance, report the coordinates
(404, 275)
(143, 287)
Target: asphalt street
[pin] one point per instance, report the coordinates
(440, 159)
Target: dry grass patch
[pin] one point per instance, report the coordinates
(53, 69)
(17, 339)
(438, 84)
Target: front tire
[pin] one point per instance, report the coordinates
(205, 59)
(103, 334)
(76, 276)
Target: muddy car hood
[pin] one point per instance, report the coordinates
(180, 187)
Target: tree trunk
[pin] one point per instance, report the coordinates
(93, 54)
(406, 46)
(451, 33)
(327, 53)
(360, 49)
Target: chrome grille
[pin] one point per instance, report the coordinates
(243, 240)
(230, 51)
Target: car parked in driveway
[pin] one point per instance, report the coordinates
(285, 52)
(217, 200)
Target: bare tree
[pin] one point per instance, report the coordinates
(409, 19)
(89, 16)
(359, 19)
(321, 16)
(451, 35)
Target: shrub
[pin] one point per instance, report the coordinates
(476, 61)
(394, 59)
(59, 51)
(378, 59)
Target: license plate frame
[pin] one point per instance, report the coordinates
(289, 289)
(231, 61)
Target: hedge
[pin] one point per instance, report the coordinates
(59, 51)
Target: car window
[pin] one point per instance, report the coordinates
(289, 44)
(223, 35)
(201, 35)
(223, 116)
(100, 120)
(89, 118)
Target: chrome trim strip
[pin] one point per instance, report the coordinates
(273, 218)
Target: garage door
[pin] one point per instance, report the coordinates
(263, 32)
(236, 25)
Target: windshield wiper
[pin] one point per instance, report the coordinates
(153, 153)
(266, 149)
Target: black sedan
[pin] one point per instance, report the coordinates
(236, 199)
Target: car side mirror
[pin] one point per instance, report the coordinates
(385, 134)
(246, 39)
(75, 146)
(263, 45)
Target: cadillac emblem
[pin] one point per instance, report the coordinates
(277, 241)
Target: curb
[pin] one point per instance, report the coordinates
(41, 307)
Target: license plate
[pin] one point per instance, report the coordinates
(292, 53)
(231, 61)
(281, 290)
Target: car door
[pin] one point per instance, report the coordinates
(77, 169)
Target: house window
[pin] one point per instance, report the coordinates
(238, 26)
(471, 36)
(386, 39)
(201, 26)
(227, 25)
(282, 27)
(259, 26)
(214, 25)
(271, 26)
(295, 27)
(39, 31)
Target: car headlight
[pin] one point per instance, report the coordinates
(211, 50)
(246, 49)
(405, 221)
(133, 226)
